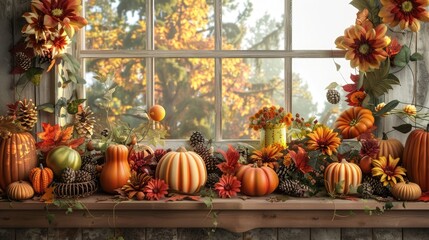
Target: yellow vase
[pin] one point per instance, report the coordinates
(273, 135)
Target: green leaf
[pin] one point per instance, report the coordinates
(69, 210)
(361, 80)
(387, 108)
(416, 57)
(337, 66)
(50, 217)
(403, 57)
(46, 107)
(79, 205)
(379, 81)
(404, 128)
(332, 85)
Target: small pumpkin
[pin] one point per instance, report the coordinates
(365, 164)
(17, 157)
(62, 157)
(116, 171)
(416, 157)
(20, 190)
(390, 146)
(354, 121)
(184, 171)
(41, 178)
(342, 177)
(406, 191)
(257, 180)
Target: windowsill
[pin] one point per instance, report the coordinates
(235, 215)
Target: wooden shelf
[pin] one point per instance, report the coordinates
(235, 215)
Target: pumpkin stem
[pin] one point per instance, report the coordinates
(181, 149)
(384, 136)
(41, 166)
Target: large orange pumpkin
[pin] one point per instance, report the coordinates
(257, 181)
(392, 147)
(116, 171)
(354, 121)
(342, 177)
(41, 178)
(183, 171)
(416, 157)
(17, 157)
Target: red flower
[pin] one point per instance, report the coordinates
(394, 48)
(156, 189)
(228, 186)
(231, 164)
(300, 159)
(355, 98)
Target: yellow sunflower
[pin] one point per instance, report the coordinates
(388, 170)
(268, 156)
(324, 139)
(365, 45)
(406, 13)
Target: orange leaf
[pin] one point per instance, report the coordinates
(49, 196)
(66, 134)
(424, 197)
(179, 197)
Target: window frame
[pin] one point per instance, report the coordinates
(150, 53)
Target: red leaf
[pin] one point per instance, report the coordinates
(300, 159)
(180, 197)
(424, 197)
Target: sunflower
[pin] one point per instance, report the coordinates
(268, 156)
(388, 170)
(406, 13)
(364, 45)
(228, 186)
(324, 139)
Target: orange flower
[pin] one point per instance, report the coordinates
(324, 139)
(406, 13)
(228, 186)
(156, 189)
(268, 156)
(364, 45)
(356, 98)
(394, 48)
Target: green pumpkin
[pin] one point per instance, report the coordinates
(61, 157)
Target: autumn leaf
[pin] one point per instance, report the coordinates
(231, 164)
(424, 197)
(300, 159)
(48, 196)
(180, 197)
(53, 136)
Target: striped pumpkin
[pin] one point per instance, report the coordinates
(183, 171)
(391, 147)
(20, 190)
(406, 191)
(342, 177)
(41, 178)
(257, 181)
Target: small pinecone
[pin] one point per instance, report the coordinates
(333, 96)
(212, 179)
(88, 159)
(68, 175)
(91, 169)
(84, 122)
(210, 160)
(196, 139)
(294, 188)
(377, 186)
(25, 113)
(23, 61)
(83, 176)
(365, 190)
(284, 171)
(105, 132)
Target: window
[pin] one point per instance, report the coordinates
(212, 63)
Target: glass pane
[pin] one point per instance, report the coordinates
(316, 24)
(309, 82)
(184, 25)
(185, 87)
(253, 24)
(115, 25)
(247, 85)
(128, 99)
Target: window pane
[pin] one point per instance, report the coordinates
(316, 24)
(248, 85)
(309, 82)
(253, 24)
(115, 25)
(185, 87)
(128, 100)
(185, 25)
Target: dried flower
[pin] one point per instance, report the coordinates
(156, 189)
(369, 147)
(228, 186)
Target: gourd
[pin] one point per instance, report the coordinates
(41, 178)
(342, 177)
(116, 171)
(354, 121)
(406, 191)
(20, 190)
(17, 157)
(62, 157)
(256, 180)
(416, 157)
(183, 171)
(392, 147)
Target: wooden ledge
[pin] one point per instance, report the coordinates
(235, 215)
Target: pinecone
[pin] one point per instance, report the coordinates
(365, 190)
(135, 185)
(209, 159)
(294, 188)
(83, 176)
(68, 175)
(333, 96)
(377, 186)
(23, 60)
(196, 139)
(25, 113)
(88, 159)
(84, 122)
(212, 179)
(91, 169)
(284, 171)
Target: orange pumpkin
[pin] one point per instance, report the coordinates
(20, 190)
(116, 171)
(391, 147)
(17, 157)
(257, 181)
(354, 121)
(342, 177)
(416, 157)
(406, 191)
(41, 178)
(183, 171)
